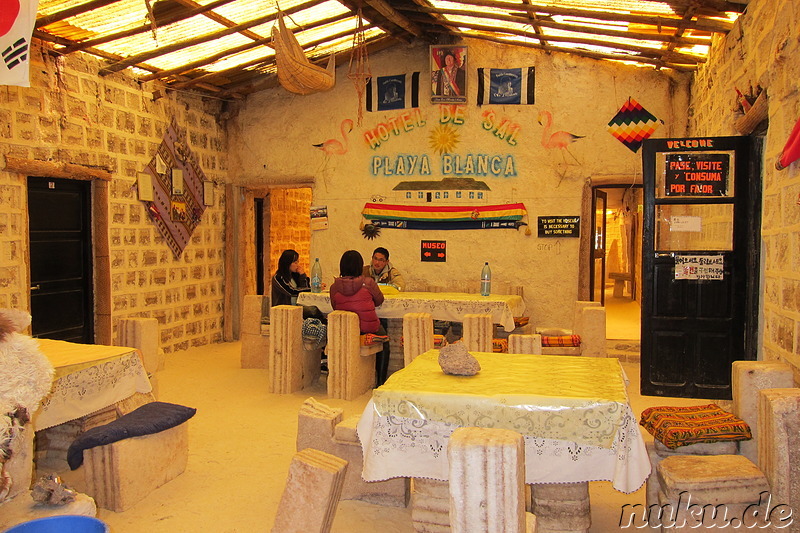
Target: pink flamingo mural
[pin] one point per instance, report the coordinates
(558, 139)
(335, 146)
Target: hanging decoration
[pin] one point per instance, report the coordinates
(444, 217)
(295, 72)
(359, 70)
(177, 197)
(633, 124)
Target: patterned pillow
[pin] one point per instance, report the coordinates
(680, 426)
(500, 345)
(561, 340)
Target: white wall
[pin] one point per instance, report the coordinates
(273, 135)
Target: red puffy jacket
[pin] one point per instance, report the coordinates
(360, 295)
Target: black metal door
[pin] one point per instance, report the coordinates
(60, 259)
(700, 225)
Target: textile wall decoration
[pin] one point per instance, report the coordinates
(632, 124)
(507, 86)
(445, 217)
(178, 181)
(386, 93)
(17, 19)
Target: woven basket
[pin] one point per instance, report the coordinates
(754, 116)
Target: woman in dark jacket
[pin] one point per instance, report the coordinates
(289, 280)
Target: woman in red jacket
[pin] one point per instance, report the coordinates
(354, 292)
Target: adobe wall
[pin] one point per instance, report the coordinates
(273, 140)
(764, 50)
(71, 115)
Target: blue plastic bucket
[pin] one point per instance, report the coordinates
(61, 524)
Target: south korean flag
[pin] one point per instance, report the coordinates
(17, 20)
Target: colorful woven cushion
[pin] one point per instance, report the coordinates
(680, 426)
(561, 340)
(500, 345)
(368, 339)
(520, 321)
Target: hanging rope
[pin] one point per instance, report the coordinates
(151, 16)
(359, 70)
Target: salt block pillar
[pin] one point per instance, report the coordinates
(255, 341)
(561, 507)
(417, 335)
(590, 324)
(747, 379)
(779, 413)
(478, 333)
(286, 349)
(349, 374)
(430, 505)
(531, 344)
(141, 333)
(487, 480)
(311, 494)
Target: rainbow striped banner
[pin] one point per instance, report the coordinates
(444, 213)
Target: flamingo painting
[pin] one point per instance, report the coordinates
(558, 139)
(335, 146)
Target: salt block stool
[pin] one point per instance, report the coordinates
(351, 366)
(417, 335)
(311, 494)
(689, 482)
(123, 472)
(478, 332)
(529, 344)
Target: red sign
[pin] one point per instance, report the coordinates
(696, 174)
(433, 251)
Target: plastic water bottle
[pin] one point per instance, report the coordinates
(316, 276)
(486, 279)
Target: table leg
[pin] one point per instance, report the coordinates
(561, 507)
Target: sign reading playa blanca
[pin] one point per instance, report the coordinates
(496, 165)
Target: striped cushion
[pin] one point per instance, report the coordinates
(500, 345)
(561, 340)
(680, 426)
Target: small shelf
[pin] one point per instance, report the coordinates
(758, 113)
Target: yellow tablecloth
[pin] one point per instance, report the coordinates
(579, 399)
(442, 305)
(88, 378)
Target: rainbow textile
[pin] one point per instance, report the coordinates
(632, 124)
(445, 216)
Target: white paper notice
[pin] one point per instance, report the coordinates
(685, 223)
(699, 266)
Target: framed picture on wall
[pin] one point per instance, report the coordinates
(448, 74)
(177, 181)
(144, 184)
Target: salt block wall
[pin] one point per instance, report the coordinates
(289, 229)
(765, 50)
(71, 115)
(274, 135)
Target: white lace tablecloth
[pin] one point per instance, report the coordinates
(416, 446)
(441, 305)
(89, 378)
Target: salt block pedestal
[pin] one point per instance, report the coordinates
(120, 474)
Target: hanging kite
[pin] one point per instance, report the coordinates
(632, 124)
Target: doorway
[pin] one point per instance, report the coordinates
(60, 239)
(617, 214)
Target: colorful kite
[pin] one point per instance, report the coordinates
(632, 124)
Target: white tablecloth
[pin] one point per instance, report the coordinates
(442, 305)
(89, 378)
(396, 444)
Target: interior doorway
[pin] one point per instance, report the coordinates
(621, 249)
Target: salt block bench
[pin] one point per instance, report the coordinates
(128, 458)
(620, 279)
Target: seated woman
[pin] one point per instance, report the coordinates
(354, 292)
(289, 281)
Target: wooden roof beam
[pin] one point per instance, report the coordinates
(44, 20)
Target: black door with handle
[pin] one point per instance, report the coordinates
(60, 259)
(700, 264)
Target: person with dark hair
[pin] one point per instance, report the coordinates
(382, 271)
(352, 291)
(289, 281)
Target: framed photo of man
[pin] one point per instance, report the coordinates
(448, 74)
